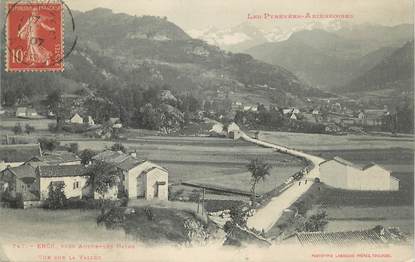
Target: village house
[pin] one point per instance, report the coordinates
(293, 116)
(115, 122)
(76, 119)
(25, 112)
(16, 155)
(21, 112)
(72, 176)
(251, 108)
(140, 179)
(90, 121)
(377, 236)
(236, 106)
(290, 111)
(371, 117)
(21, 181)
(217, 130)
(234, 131)
(343, 174)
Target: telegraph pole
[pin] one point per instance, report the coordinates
(203, 200)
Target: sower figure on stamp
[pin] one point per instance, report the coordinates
(36, 52)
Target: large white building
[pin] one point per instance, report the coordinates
(343, 174)
(141, 179)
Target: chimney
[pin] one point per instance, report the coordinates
(134, 154)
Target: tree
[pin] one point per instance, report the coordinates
(239, 216)
(29, 128)
(119, 147)
(56, 196)
(55, 103)
(17, 129)
(48, 144)
(149, 117)
(103, 176)
(316, 222)
(86, 156)
(259, 171)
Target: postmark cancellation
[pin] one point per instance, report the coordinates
(34, 36)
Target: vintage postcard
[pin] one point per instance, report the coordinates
(188, 130)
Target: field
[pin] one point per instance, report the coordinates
(38, 124)
(354, 210)
(315, 142)
(368, 217)
(213, 161)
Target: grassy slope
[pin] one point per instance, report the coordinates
(31, 225)
(155, 224)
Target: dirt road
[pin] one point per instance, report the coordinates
(266, 217)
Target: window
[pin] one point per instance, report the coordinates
(76, 185)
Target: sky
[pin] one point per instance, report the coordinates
(202, 14)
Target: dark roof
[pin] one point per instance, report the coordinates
(342, 161)
(61, 171)
(128, 164)
(375, 236)
(348, 163)
(375, 113)
(118, 159)
(19, 153)
(23, 171)
(56, 157)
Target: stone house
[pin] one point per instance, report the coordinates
(139, 179)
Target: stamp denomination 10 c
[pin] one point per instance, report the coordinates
(34, 36)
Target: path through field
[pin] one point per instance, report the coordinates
(266, 217)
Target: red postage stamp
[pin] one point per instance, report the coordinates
(34, 36)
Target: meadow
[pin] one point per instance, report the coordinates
(314, 142)
(208, 160)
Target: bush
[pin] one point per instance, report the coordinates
(29, 128)
(52, 127)
(76, 203)
(316, 222)
(112, 219)
(76, 128)
(74, 147)
(49, 144)
(175, 195)
(119, 147)
(86, 156)
(13, 202)
(17, 129)
(218, 205)
(195, 195)
(56, 196)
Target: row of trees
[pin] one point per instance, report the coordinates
(270, 119)
(401, 121)
(135, 106)
(18, 129)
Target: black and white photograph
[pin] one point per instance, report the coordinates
(188, 130)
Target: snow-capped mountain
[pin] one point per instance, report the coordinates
(237, 38)
(249, 34)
